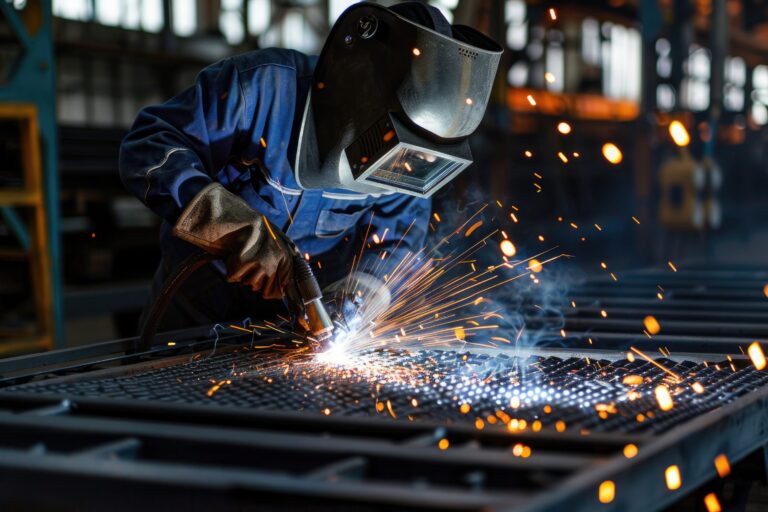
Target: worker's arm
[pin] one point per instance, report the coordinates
(174, 150)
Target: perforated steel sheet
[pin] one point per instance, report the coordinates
(434, 385)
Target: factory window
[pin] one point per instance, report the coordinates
(590, 41)
(336, 7)
(259, 15)
(621, 62)
(694, 88)
(665, 97)
(760, 95)
(144, 15)
(664, 58)
(735, 80)
(79, 10)
(231, 21)
(184, 17)
(517, 26)
(293, 31)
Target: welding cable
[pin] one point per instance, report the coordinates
(170, 287)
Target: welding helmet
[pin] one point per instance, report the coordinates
(396, 93)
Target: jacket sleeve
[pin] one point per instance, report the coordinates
(400, 222)
(174, 150)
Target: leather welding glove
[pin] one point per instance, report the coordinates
(256, 253)
(357, 300)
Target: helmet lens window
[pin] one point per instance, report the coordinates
(416, 170)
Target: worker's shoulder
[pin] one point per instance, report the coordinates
(274, 59)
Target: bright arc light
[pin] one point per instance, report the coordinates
(679, 133)
(612, 153)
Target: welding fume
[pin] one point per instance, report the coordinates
(279, 165)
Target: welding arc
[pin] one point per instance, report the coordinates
(170, 287)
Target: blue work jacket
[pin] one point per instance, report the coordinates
(238, 125)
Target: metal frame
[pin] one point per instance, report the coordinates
(131, 453)
(33, 82)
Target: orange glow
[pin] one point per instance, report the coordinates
(535, 265)
(630, 451)
(697, 388)
(651, 324)
(756, 355)
(632, 380)
(560, 426)
(389, 135)
(722, 465)
(712, 503)
(612, 153)
(564, 128)
(416, 52)
(672, 476)
(507, 248)
(607, 491)
(679, 133)
(443, 444)
(464, 409)
(765, 290)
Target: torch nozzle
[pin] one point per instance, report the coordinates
(318, 319)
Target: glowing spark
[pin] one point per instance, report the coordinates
(552, 14)
(612, 153)
(376, 239)
(603, 313)
(535, 266)
(171, 343)
(513, 217)
(722, 465)
(531, 100)
(479, 424)
(465, 408)
(549, 77)
(636, 220)
(657, 365)
(507, 248)
(663, 397)
(562, 157)
(632, 380)
(712, 503)
(269, 227)
(697, 388)
(630, 451)
(327, 411)
(443, 444)
(514, 402)
(679, 133)
(473, 228)
(528, 154)
(560, 426)
(672, 476)
(460, 334)
(541, 239)
(651, 324)
(390, 410)
(756, 354)
(564, 128)
(597, 226)
(606, 492)
(672, 266)
(436, 216)
(468, 101)
(416, 52)
(263, 142)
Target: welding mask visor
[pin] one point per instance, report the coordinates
(396, 93)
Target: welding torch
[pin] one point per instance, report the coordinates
(318, 321)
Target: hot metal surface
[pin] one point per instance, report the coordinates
(432, 385)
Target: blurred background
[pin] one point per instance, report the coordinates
(631, 132)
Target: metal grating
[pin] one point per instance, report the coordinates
(587, 395)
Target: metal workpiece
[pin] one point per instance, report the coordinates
(237, 419)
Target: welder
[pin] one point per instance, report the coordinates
(274, 153)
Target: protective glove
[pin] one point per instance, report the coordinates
(357, 300)
(256, 253)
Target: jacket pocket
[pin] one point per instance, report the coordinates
(336, 220)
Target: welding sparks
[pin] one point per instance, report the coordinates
(712, 503)
(679, 133)
(722, 465)
(531, 100)
(564, 128)
(672, 476)
(507, 248)
(630, 451)
(552, 14)
(612, 153)
(663, 397)
(651, 325)
(607, 491)
(757, 356)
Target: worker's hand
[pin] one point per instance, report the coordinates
(357, 300)
(256, 253)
